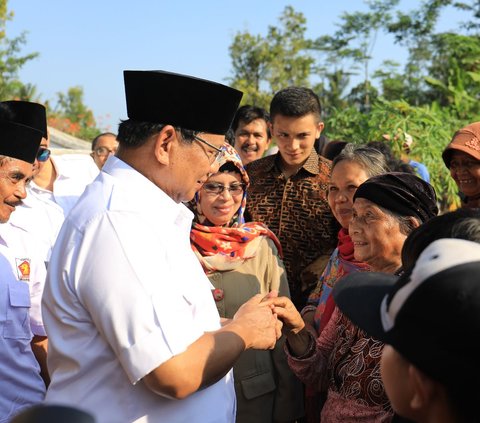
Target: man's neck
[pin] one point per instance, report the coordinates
(289, 170)
(46, 177)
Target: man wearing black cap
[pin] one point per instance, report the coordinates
(129, 311)
(58, 182)
(22, 274)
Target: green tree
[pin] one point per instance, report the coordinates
(351, 46)
(428, 66)
(431, 127)
(72, 116)
(250, 57)
(10, 59)
(264, 65)
(454, 73)
(332, 89)
(392, 82)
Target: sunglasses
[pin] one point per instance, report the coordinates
(43, 154)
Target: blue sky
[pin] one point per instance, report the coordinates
(89, 43)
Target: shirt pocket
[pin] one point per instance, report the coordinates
(17, 324)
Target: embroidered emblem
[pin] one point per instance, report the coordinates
(23, 268)
(473, 143)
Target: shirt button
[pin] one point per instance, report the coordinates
(218, 294)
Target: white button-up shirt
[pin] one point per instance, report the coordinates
(21, 285)
(124, 294)
(43, 212)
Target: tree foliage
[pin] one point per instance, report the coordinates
(72, 116)
(10, 59)
(433, 94)
(263, 65)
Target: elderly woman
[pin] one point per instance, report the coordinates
(462, 157)
(353, 166)
(344, 361)
(350, 168)
(241, 260)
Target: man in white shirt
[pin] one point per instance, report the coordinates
(22, 274)
(129, 312)
(57, 184)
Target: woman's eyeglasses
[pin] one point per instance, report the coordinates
(214, 188)
(43, 154)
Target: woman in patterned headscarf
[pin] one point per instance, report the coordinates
(241, 260)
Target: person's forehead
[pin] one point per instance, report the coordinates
(11, 165)
(456, 154)
(363, 203)
(107, 139)
(254, 122)
(282, 120)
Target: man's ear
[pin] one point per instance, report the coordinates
(270, 127)
(423, 389)
(164, 141)
(320, 126)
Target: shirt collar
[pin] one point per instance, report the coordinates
(311, 164)
(151, 198)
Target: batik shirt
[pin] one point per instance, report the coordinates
(297, 211)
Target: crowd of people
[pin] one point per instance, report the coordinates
(217, 263)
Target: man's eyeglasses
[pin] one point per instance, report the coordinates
(214, 188)
(104, 151)
(43, 154)
(220, 151)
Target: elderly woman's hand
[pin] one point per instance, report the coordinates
(298, 339)
(288, 314)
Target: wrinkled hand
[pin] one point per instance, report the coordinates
(288, 314)
(259, 324)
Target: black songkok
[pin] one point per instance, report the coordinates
(402, 193)
(22, 126)
(180, 100)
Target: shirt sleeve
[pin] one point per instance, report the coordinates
(131, 293)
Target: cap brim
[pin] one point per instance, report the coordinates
(447, 153)
(359, 296)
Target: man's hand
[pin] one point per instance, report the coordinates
(257, 323)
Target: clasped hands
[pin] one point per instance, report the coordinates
(263, 318)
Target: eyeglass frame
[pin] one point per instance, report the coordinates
(223, 188)
(109, 151)
(220, 151)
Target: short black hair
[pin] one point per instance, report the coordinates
(133, 133)
(103, 134)
(249, 113)
(295, 102)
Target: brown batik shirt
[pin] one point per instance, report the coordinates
(296, 210)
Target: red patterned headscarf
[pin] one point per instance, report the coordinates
(221, 248)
